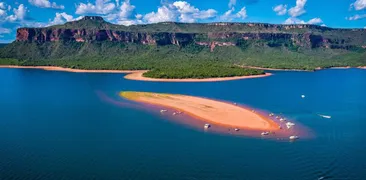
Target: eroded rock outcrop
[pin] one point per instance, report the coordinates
(212, 34)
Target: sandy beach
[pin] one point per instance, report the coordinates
(55, 68)
(139, 77)
(210, 111)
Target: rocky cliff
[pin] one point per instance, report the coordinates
(91, 29)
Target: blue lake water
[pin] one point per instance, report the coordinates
(55, 125)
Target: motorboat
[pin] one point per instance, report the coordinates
(207, 126)
(163, 110)
(325, 116)
(293, 137)
(265, 133)
(289, 125)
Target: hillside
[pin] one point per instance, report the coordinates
(92, 43)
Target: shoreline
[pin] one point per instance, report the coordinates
(299, 70)
(56, 68)
(133, 74)
(138, 76)
(274, 69)
(210, 111)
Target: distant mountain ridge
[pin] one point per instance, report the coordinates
(94, 28)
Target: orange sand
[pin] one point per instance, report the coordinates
(55, 68)
(139, 76)
(211, 111)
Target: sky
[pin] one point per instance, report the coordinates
(41, 13)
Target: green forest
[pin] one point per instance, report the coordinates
(170, 61)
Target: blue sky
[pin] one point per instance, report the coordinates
(40, 13)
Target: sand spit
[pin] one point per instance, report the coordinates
(139, 77)
(55, 68)
(210, 111)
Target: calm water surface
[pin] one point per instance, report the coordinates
(58, 125)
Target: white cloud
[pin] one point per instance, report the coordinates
(280, 9)
(126, 10)
(100, 7)
(298, 9)
(19, 14)
(230, 15)
(315, 21)
(61, 18)
(2, 13)
(2, 5)
(359, 4)
(4, 30)
(180, 11)
(45, 4)
(189, 13)
(356, 17)
(162, 15)
(242, 14)
(139, 16)
(293, 20)
(3, 9)
(232, 3)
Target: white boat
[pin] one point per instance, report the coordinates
(289, 125)
(293, 137)
(303, 96)
(270, 115)
(283, 119)
(207, 126)
(174, 113)
(265, 133)
(237, 129)
(325, 116)
(163, 110)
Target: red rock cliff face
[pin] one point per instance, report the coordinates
(82, 35)
(42, 35)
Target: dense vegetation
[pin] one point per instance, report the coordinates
(190, 62)
(201, 71)
(114, 55)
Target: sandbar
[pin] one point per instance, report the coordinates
(56, 68)
(210, 111)
(139, 77)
